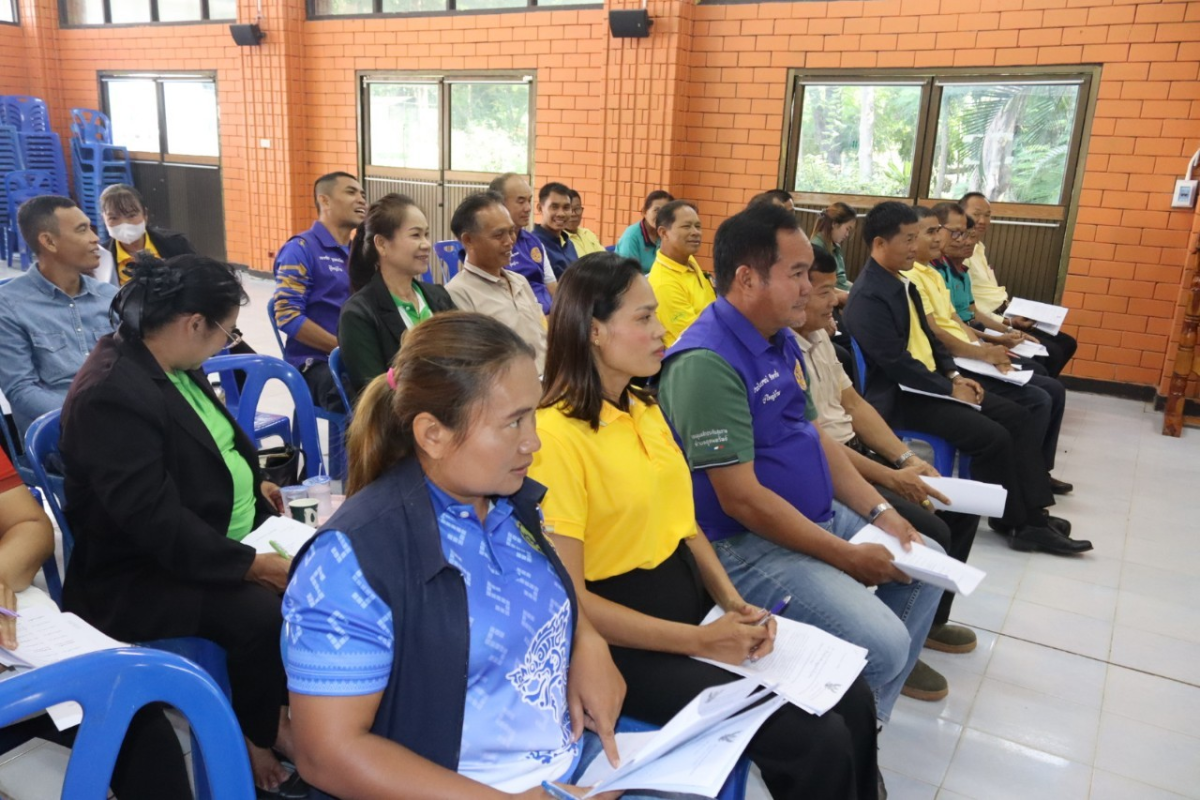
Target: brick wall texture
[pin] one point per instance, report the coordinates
(697, 108)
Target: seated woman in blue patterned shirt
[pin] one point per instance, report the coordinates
(433, 644)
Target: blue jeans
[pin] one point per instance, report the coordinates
(891, 624)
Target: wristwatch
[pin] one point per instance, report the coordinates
(905, 456)
(878, 511)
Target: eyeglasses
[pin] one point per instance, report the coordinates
(232, 339)
(956, 235)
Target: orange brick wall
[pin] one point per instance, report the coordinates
(12, 60)
(697, 108)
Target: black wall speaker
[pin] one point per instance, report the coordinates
(632, 24)
(247, 35)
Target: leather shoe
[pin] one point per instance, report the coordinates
(1060, 487)
(1029, 538)
(1059, 524)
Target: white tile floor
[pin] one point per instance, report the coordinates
(1086, 680)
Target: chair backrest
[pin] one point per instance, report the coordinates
(274, 327)
(41, 443)
(861, 363)
(91, 125)
(22, 184)
(340, 378)
(447, 251)
(259, 369)
(113, 685)
(24, 112)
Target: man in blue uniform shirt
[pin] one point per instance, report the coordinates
(554, 204)
(528, 254)
(311, 283)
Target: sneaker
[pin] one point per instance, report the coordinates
(950, 639)
(925, 683)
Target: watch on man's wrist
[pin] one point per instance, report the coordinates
(877, 512)
(905, 456)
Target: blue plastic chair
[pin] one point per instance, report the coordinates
(91, 126)
(447, 251)
(18, 459)
(266, 424)
(24, 112)
(44, 151)
(612, 248)
(11, 159)
(943, 451)
(340, 377)
(735, 784)
(339, 466)
(112, 686)
(258, 370)
(19, 186)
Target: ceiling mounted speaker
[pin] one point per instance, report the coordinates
(247, 35)
(633, 24)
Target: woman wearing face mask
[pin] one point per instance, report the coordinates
(125, 217)
(388, 255)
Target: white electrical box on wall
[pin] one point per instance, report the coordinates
(1185, 194)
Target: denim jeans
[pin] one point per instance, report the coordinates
(891, 623)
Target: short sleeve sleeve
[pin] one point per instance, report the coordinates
(9, 479)
(705, 402)
(337, 636)
(559, 467)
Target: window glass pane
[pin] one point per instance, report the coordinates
(8, 11)
(475, 5)
(1009, 141)
(858, 139)
(133, 109)
(408, 6)
(222, 9)
(191, 108)
(130, 10)
(562, 2)
(85, 12)
(489, 127)
(178, 10)
(404, 125)
(323, 8)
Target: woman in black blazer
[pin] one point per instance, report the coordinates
(389, 254)
(161, 485)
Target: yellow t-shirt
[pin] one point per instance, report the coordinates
(987, 291)
(682, 293)
(623, 490)
(125, 258)
(936, 299)
(585, 242)
(918, 343)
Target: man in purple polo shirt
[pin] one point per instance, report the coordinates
(311, 283)
(778, 498)
(528, 253)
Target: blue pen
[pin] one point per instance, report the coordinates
(778, 608)
(8, 613)
(556, 792)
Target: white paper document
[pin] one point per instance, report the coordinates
(809, 667)
(1029, 350)
(288, 533)
(1049, 318)
(949, 397)
(969, 497)
(694, 752)
(923, 564)
(45, 636)
(975, 365)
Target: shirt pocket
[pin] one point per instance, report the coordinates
(53, 358)
(96, 334)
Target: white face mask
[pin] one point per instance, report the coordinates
(126, 232)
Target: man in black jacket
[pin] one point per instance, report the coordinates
(124, 213)
(885, 316)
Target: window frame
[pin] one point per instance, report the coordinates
(205, 19)
(934, 80)
(378, 12)
(159, 77)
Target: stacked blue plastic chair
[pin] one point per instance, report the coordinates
(94, 167)
(24, 113)
(43, 151)
(113, 685)
(447, 251)
(19, 186)
(11, 160)
(91, 126)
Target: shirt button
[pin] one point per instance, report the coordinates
(463, 514)
(79, 330)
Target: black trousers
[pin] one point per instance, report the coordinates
(954, 532)
(150, 764)
(1061, 347)
(1046, 400)
(246, 621)
(800, 755)
(319, 378)
(1001, 440)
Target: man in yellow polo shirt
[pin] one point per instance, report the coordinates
(682, 289)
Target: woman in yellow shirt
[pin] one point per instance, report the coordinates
(619, 510)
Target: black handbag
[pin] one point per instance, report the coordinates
(281, 465)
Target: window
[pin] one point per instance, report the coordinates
(404, 125)
(133, 12)
(164, 117)
(489, 127)
(8, 11)
(1010, 141)
(858, 138)
(334, 8)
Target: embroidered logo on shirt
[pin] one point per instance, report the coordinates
(535, 254)
(800, 377)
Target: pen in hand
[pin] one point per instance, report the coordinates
(778, 608)
(278, 548)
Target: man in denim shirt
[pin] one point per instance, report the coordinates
(52, 316)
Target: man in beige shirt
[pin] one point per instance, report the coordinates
(483, 226)
(850, 420)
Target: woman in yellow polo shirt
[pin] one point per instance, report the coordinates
(619, 510)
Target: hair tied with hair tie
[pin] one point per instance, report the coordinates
(391, 378)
